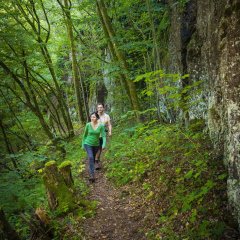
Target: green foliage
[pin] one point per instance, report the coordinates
(175, 168)
(168, 87)
(23, 191)
(70, 227)
(169, 164)
(87, 208)
(182, 3)
(20, 196)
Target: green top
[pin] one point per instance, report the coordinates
(91, 136)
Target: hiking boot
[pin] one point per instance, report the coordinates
(91, 179)
(97, 165)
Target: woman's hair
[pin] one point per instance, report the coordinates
(96, 114)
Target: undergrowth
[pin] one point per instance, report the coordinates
(23, 191)
(182, 184)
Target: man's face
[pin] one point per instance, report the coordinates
(100, 108)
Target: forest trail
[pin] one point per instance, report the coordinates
(117, 217)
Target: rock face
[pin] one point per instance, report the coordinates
(205, 42)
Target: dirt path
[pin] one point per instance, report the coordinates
(117, 217)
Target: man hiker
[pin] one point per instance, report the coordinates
(105, 120)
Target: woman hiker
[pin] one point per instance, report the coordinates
(90, 141)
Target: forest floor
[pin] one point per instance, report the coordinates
(118, 215)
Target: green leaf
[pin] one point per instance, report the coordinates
(222, 176)
(188, 174)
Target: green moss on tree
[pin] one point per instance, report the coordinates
(65, 164)
(50, 163)
(60, 197)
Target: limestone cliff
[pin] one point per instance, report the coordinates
(205, 42)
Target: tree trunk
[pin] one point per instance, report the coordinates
(85, 101)
(5, 228)
(5, 138)
(20, 126)
(76, 78)
(156, 55)
(39, 224)
(33, 106)
(35, 25)
(130, 86)
(8, 144)
(36, 105)
(65, 170)
(51, 107)
(114, 56)
(62, 104)
(60, 197)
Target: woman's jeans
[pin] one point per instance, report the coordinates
(91, 152)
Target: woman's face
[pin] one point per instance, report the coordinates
(93, 118)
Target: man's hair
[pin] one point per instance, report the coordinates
(100, 104)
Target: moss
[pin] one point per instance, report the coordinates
(64, 197)
(55, 185)
(214, 114)
(50, 163)
(65, 164)
(49, 143)
(197, 125)
(40, 170)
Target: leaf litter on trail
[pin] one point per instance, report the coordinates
(116, 217)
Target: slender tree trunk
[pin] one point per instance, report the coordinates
(111, 48)
(156, 59)
(76, 78)
(83, 95)
(33, 107)
(156, 55)
(5, 138)
(36, 105)
(8, 232)
(131, 89)
(8, 144)
(36, 27)
(19, 124)
(61, 101)
(50, 106)
(55, 115)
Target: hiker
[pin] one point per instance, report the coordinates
(105, 120)
(90, 141)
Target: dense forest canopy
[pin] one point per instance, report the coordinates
(59, 58)
(167, 72)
